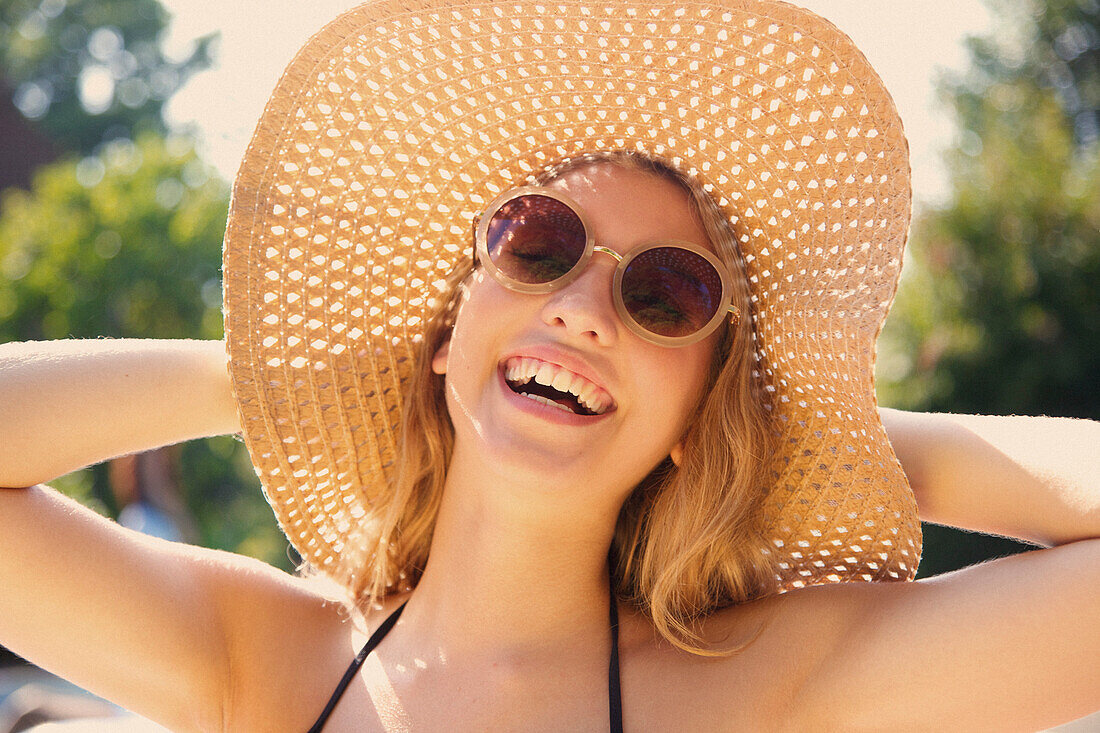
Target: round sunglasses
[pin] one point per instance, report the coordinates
(536, 240)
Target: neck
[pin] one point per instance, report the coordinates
(512, 573)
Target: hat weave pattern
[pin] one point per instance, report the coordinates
(399, 121)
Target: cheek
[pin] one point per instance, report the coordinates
(675, 382)
(485, 317)
(490, 307)
(476, 309)
(695, 371)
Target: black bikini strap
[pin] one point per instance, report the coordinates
(372, 642)
(614, 696)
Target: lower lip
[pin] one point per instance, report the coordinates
(546, 412)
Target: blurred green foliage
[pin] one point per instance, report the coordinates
(127, 243)
(90, 70)
(124, 243)
(999, 311)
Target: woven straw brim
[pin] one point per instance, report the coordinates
(395, 125)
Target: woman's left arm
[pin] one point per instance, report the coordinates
(1009, 644)
(1031, 478)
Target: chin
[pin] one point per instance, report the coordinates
(523, 467)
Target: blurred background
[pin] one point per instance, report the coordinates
(121, 122)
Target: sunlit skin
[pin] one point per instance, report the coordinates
(507, 629)
(653, 387)
(531, 494)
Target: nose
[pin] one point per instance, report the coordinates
(584, 307)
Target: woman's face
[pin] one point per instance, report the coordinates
(642, 393)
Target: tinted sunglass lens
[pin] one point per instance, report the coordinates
(535, 239)
(671, 291)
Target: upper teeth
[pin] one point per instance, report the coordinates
(520, 370)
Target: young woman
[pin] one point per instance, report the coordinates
(612, 469)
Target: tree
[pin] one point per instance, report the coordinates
(90, 70)
(1068, 61)
(127, 243)
(1000, 310)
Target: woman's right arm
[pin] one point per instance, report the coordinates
(68, 404)
(155, 626)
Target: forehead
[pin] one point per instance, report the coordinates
(627, 207)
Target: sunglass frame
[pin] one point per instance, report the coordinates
(481, 244)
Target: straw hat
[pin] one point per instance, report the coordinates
(395, 125)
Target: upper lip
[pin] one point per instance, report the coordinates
(566, 359)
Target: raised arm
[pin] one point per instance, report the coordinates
(68, 404)
(1032, 478)
(150, 624)
(1010, 644)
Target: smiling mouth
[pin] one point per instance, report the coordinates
(555, 386)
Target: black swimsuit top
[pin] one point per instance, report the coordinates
(614, 696)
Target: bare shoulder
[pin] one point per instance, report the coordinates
(1010, 644)
(290, 640)
(771, 649)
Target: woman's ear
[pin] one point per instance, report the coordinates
(677, 453)
(439, 361)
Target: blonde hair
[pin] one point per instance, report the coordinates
(687, 541)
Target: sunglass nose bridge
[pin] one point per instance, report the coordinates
(608, 251)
